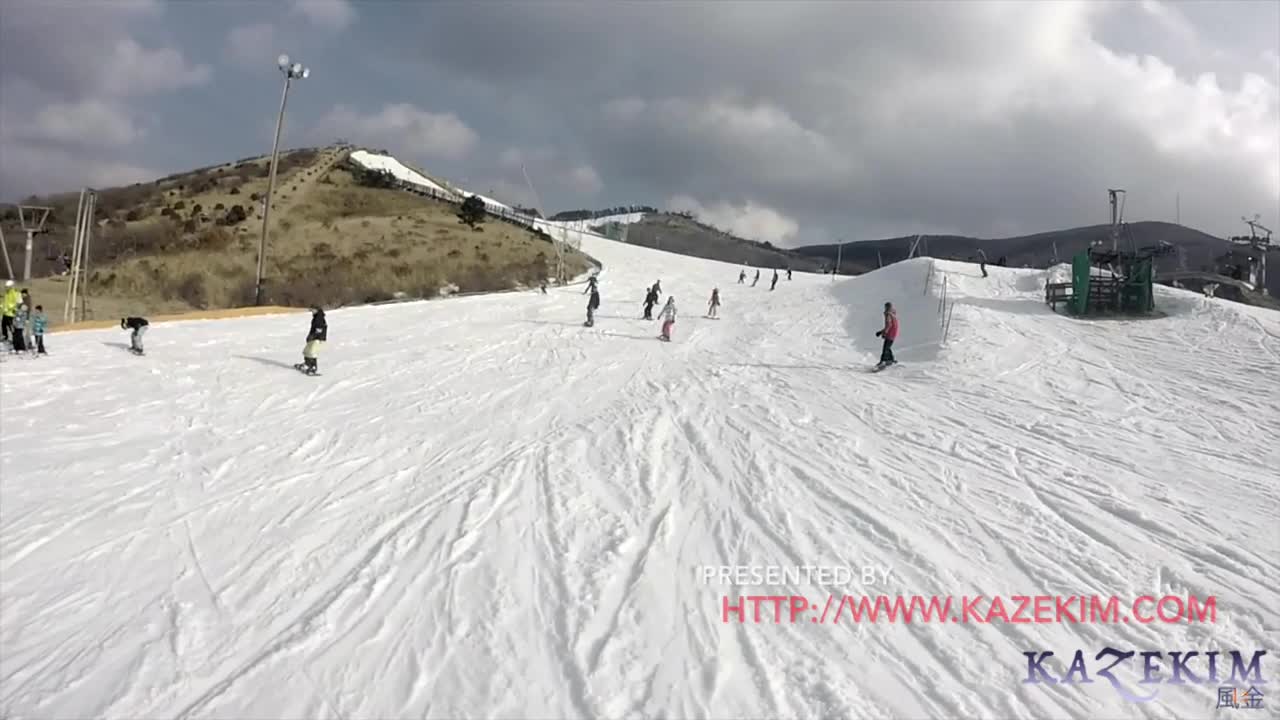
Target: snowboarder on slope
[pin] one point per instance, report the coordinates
(774, 284)
(317, 336)
(657, 287)
(788, 273)
(139, 326)
(591, 285)
(592, 303)
(742, 276)
(715, 303)
(668, 317)
(753, 282)
(982, 262)
(650, 299)
(889, 333)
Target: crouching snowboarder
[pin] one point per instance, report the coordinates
(889, 333)
(592, 303)
(668, 318)
(139, 326)
(316, 337)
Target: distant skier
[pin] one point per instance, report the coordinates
(714, 305)
(774, 284)
(742, 276)
(889, 333)
(139, 326)
(788, 273)
(592, 303)
(982, 262)
(657, 287)
(668, 318)
(543, 285)
(650, 299)
(753, 282)
(317, 336)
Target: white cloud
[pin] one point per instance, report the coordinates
(330, 14)
(584, 179)
(749, 220)
(86, 123)
(401, 128)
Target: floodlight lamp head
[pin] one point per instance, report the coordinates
(283, 62)
(306, 72)
(295, 69)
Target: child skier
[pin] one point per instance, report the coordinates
(715, 303)
(889, 333)
(316, 336)
(668, 317)
(139, 326)
(38, 323)
(592, 303)
(650, 299)
(19, 330)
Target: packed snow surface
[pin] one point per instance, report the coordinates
(398, 170)
(483, 509)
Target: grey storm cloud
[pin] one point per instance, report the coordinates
(791, 121)
(858, 118)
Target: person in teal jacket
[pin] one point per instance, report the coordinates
(38, 323)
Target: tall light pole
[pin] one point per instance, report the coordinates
(291, 72)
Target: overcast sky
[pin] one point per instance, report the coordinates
(790, 122)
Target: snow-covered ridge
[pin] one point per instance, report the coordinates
(571, 230)
(398, 170)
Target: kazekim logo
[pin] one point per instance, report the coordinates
(1183, 663)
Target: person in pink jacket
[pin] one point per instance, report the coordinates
(889, 333)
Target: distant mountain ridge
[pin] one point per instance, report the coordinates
(1197, 250)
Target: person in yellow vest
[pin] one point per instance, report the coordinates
(9, 306)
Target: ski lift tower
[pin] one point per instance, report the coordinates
(32, 218)
(1117, 197)
(557, 243)
(1261, 246)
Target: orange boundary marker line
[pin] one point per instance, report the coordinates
(195, 315)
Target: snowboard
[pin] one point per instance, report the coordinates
(879, 368)
(137, 352)
(303, 369)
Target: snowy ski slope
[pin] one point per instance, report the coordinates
(484, 509)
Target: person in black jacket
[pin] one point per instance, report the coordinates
(317, 336)
(592, 303)
(138, 325)
(650, 299)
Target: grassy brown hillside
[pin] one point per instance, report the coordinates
(190, 241)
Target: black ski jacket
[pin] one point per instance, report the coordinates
(594, 301)
(319, 328)
(134, 323)
(652, 298)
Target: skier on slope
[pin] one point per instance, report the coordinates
(9, 304)
(591, 285)
(753, 282)
(742, 276)
(774, 284)
(788, 273)
(592, 303)
(714, 305)
(650, 299)
(317, 336)
(657, 287)
(889, 333)
(668, 318)
(139, 326)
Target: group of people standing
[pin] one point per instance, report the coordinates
(667, 315)
(742, 278)
(23, 324)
